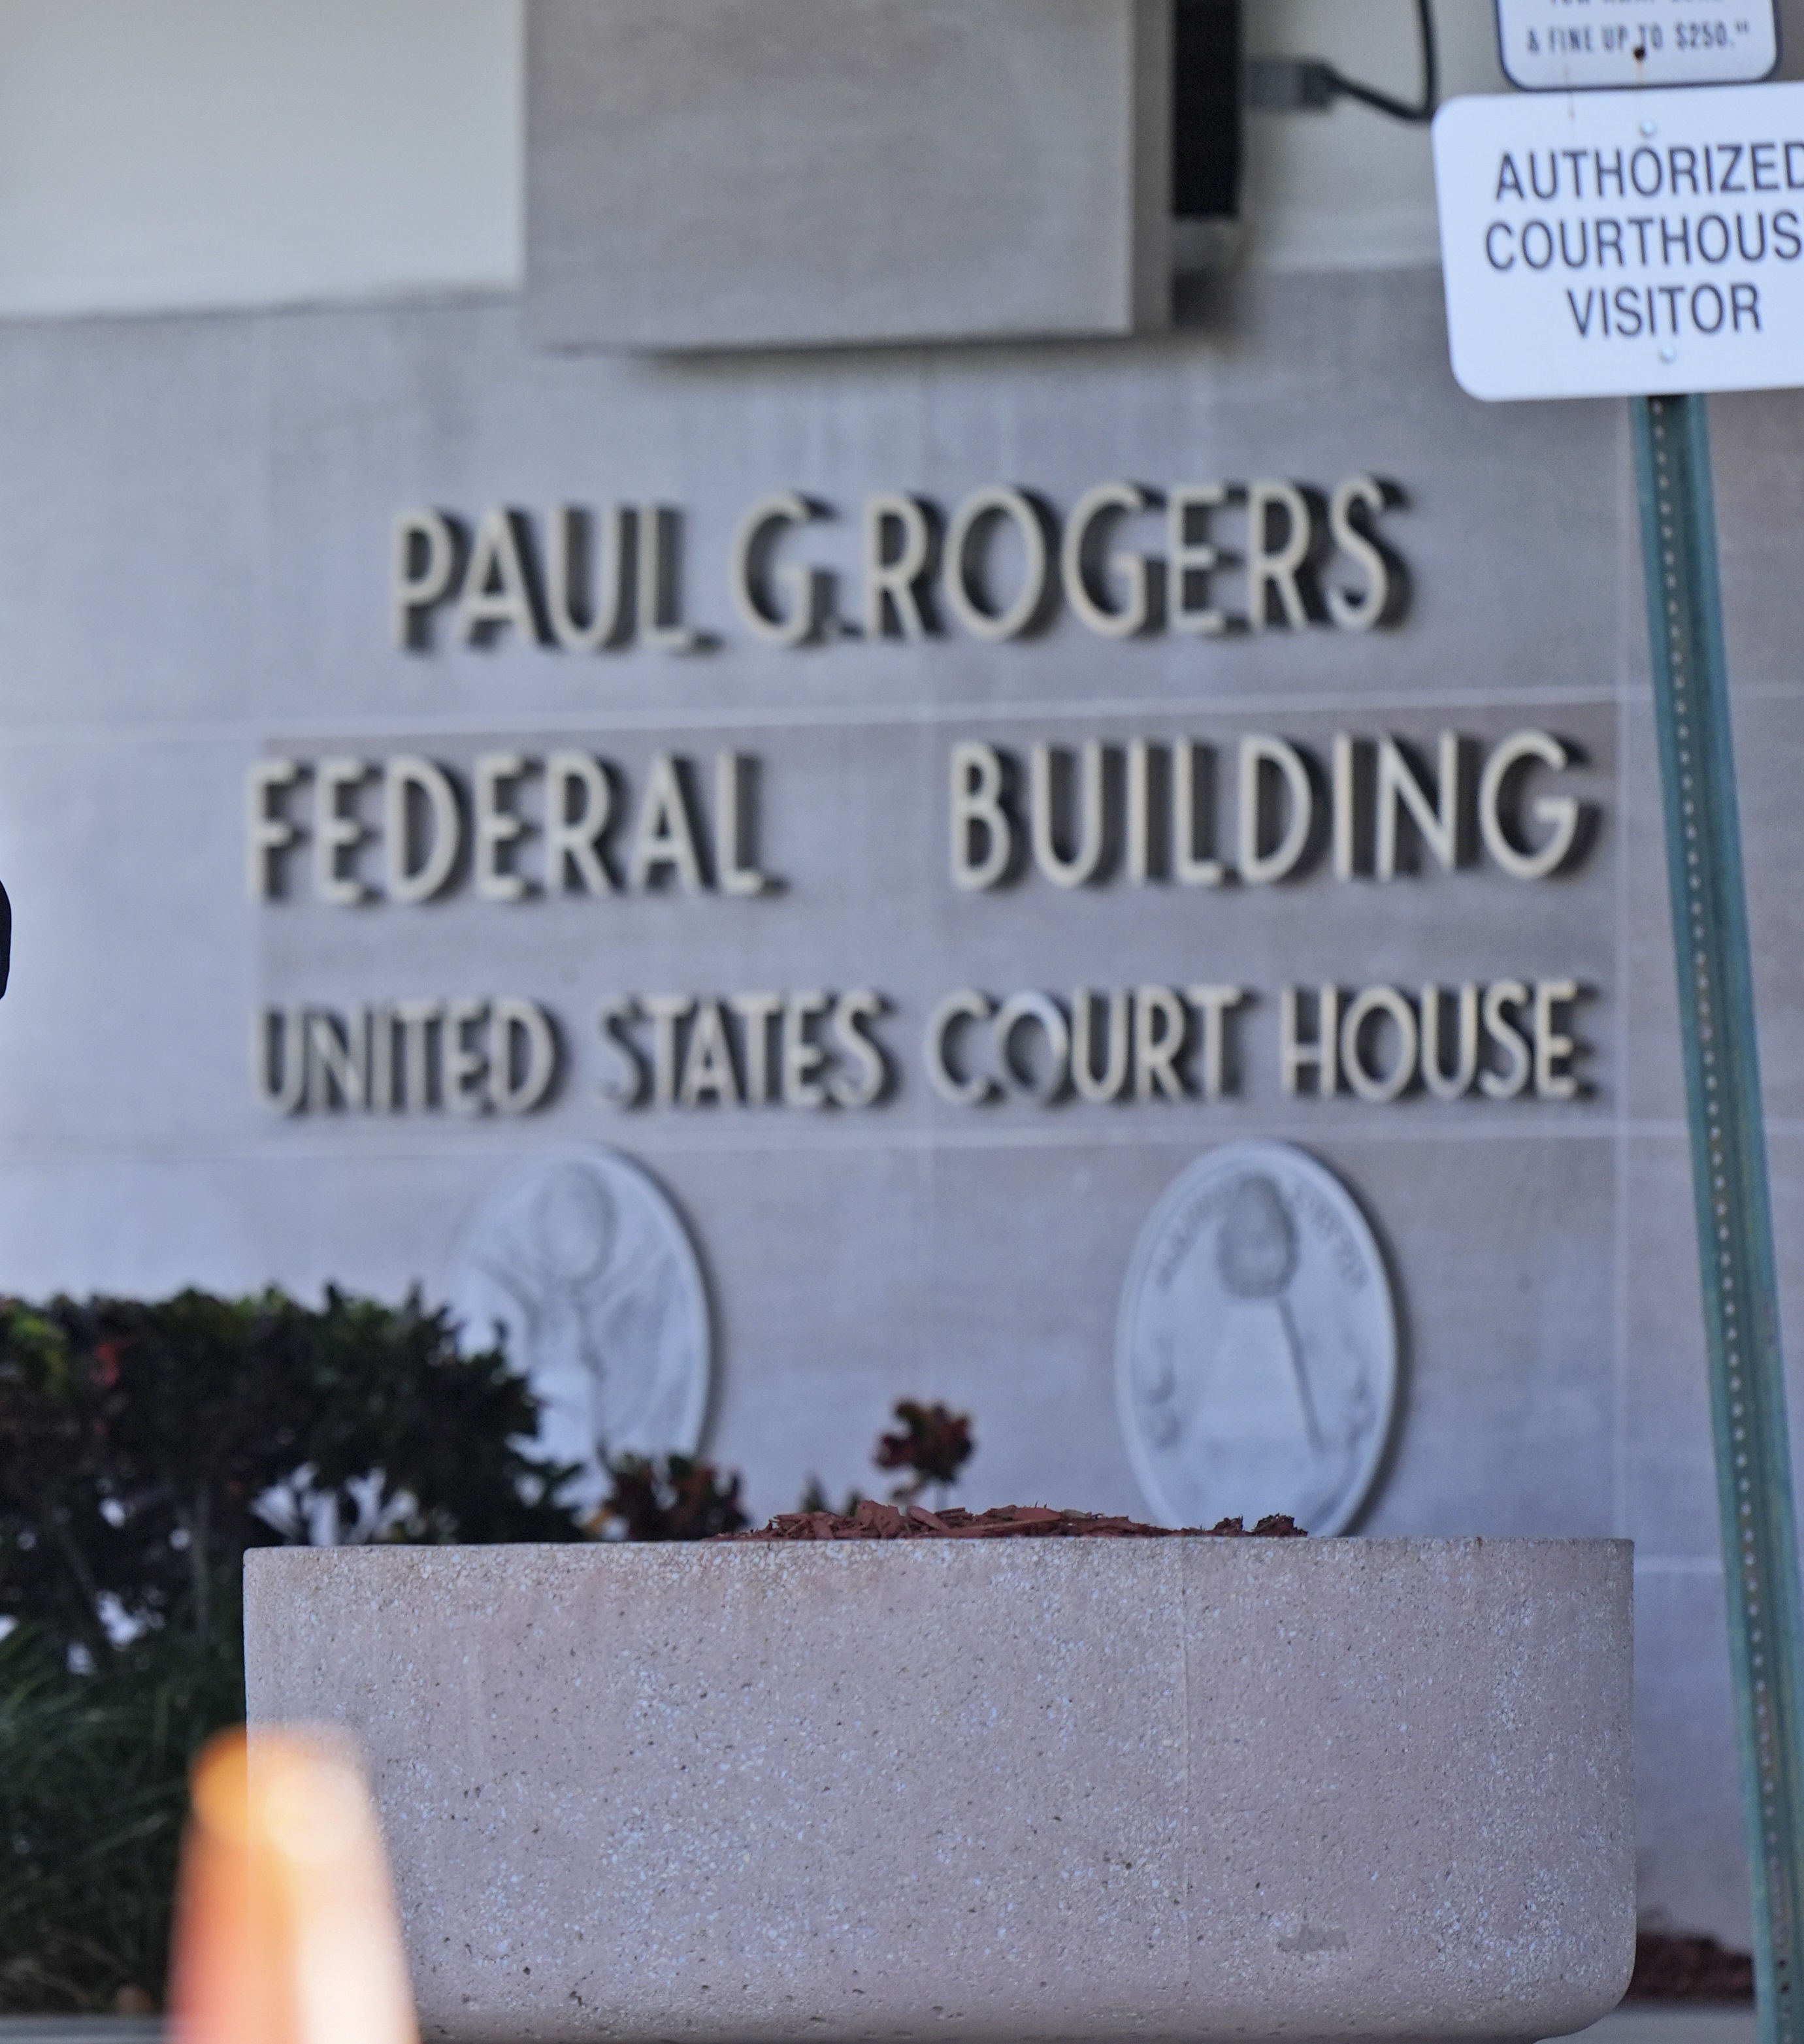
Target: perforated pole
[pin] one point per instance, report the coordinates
(1729, 1172)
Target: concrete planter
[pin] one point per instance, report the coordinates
(1182, 1789)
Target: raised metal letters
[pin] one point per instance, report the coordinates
(1300, 557)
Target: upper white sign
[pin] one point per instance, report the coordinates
(1573, 45)
(1617, 244)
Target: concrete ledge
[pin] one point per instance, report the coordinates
(1037, 1790)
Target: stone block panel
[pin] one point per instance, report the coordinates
(708, 174)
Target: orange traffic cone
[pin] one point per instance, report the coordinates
(286, 1930)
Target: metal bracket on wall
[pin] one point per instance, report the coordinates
(1729, 1168)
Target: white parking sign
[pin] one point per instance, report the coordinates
(1568, 45)
(1623, 243)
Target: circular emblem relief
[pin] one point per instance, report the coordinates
(1256, 1356)
(580, 1265)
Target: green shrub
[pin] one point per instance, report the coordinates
(93, 1790)
(678, 1498)
(143, 1448)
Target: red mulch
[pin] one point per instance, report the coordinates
(1671, 1968)
(873, 1521)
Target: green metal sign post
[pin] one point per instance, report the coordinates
(1517, 330)
(1728, 1168)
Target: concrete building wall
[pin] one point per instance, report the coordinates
(196, 518)
(239, 152)
(236, 153)
(196, 527)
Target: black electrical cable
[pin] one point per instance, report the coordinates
(1299, 85)
(1401, 110)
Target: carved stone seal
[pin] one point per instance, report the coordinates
(1255, 1354)
(581, 1265)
